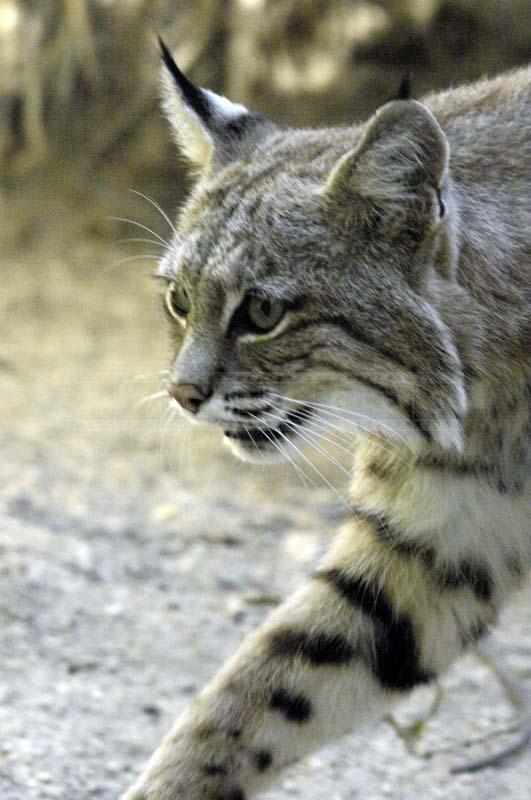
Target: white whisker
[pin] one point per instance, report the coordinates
(358, 428)
(157, 207)
(328, 409)
(156, 377)
(300, 472)
(166, 420)
(151, 397)
(330, 485)
(144, 228)
(140, 239)
(317, 428)
(297, 428)
(128, 259)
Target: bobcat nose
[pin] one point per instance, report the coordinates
(188, 395)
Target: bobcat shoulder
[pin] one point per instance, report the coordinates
(317, 275)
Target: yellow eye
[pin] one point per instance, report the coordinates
(264, 314)
(177, 301)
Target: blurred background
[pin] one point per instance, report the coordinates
(79, 117)
(129, 565)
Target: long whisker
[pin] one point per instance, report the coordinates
(150, 397)
(391, 450)
(316, 427)
(144, 228)
(139, 239)
(159, 209)
(128, 259)
(327, 408)
(157, 377)
(343, 436)
(300, 472)
(297, 429)
(331, 486)
(337, 432)
(167, 419)
(330, 428)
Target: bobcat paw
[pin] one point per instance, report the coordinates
(163, 790)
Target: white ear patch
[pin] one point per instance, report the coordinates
(208, 127)
(204, 123)
(188, 129)
(223, 108)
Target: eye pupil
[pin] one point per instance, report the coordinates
(261, 314)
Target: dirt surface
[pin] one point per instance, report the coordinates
(135, 554)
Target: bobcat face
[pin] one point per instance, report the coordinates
(297, 286)
(239, 324)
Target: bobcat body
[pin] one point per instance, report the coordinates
(380, 270)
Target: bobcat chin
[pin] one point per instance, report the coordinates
(373, 278)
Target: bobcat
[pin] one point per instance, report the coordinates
(381, 268)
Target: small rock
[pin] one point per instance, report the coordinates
(151, 710)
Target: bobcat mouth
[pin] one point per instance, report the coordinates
(260, 435)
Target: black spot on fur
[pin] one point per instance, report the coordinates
(361, 594)
(232, 794)
(295, 707)
(394, 539)
(214, 769)
(466, 574)
(394, 658)
(235, 794)
(316, 648)
(263, 760)
(470, 575)
(243, 395)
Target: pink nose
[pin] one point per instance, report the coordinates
(188, 395)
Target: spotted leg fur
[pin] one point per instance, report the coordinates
(372, 623)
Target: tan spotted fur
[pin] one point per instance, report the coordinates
(399, 251)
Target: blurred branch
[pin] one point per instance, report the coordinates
(79, 78)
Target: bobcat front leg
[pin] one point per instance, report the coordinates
(372, 623)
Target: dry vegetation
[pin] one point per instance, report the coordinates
(125, 579)
(78, 80)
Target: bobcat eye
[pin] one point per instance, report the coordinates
(264, 314)
(177, 301)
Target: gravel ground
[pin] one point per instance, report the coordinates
(134, 555)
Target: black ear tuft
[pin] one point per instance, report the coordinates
(192, 95)
(404, 90)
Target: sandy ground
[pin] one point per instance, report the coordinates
(134, 555)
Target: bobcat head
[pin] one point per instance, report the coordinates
(299, 284)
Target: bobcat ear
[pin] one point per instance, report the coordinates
(208, 127)
(399, 165)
